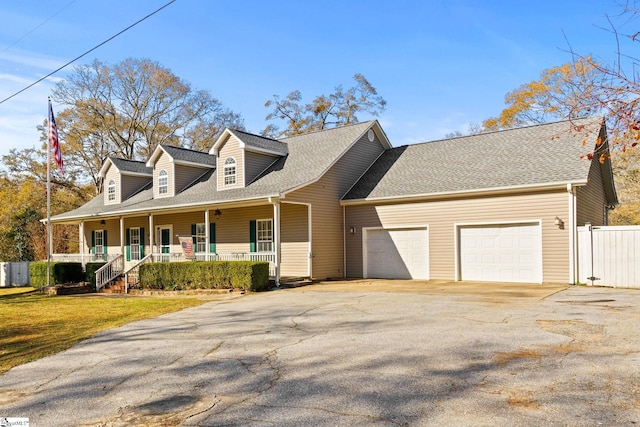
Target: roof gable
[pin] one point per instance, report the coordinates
(182, 156)
(125, 167)
(251, 142)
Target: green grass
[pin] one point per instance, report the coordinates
(35, 325)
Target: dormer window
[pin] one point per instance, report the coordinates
(163, 182)
(111, 190)
(230, 171)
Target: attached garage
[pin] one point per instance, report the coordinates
(501, 252)
(398, 253)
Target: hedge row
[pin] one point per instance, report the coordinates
(248, 275)
(61, 272)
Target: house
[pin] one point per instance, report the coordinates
(498, 206)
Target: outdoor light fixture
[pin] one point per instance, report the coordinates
(559, 222)
(352, 230)
(102, 222)
(217, 214)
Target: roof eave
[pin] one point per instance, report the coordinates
(561, 185)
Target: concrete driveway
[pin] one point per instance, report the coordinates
(363, 353)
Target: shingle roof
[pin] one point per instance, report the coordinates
(534, 155)
(260, 142)
(191, 156)
(132, 166)
(310, 156)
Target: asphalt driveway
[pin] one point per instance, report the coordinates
(365, 353)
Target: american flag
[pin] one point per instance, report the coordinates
(53, 141)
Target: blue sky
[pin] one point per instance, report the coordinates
(440, 65)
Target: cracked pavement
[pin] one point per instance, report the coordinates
(367, 353)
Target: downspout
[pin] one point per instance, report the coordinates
(276, 235)
(573, 241)
(122, 236)
(152, 233)
(207, 235)
(344, 242)
(81, 238)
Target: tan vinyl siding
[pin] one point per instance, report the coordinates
(294, 249)
(131, 184)
(112, 227)
(255, 163)
(185, 175)
(441, 216)
(164, 162)
(591, 198)
(231, 148)
(324, 196)
(112, 174)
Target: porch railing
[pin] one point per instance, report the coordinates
(109, 271)
(269, 257)
(83, 258)
(132, 275)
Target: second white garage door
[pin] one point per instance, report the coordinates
(401, 253)
(501, 253)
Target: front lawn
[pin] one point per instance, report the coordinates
(35, 325)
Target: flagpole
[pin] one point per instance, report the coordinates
(49, 243)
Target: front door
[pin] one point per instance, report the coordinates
(165, 242)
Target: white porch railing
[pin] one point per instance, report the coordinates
(269, 257)
(109, 271)
(83, 258)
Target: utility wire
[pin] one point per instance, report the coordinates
(86, 53)
(36, 27)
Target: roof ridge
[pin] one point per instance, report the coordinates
(184, 148)
(329, 130)
(253, 134)
(594, 118)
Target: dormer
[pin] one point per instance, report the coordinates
(242, 156)
(122, 178)
(175, 168)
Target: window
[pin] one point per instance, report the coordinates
(264, 228)
(163, 182)
(134, 241)
(201, 238)
(230, 171)
(99, 245)
(111, 190)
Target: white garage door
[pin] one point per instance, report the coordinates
(397, 253)
(501, 253)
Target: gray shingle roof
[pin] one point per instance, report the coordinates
(261, 142)
(191, 156)
(132, 166)
(310, 156)
(534, 155)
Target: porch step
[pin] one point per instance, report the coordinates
(117, 286)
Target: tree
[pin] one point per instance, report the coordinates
(336, 109)
(127, 109)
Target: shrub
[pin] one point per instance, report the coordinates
(90, 272)
(60, 272)
(248, 275)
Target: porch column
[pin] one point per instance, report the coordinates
(81, 241)
(152, 233)
(121, 236)
(207, 237)
(276, 238)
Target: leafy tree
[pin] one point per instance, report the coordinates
(127, 109)
(336, 109)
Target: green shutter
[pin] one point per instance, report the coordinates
(212, 237)
(104, 241)
(252, 236)
(93, 242)
(127, 248)
(193, 236)
(141, 242)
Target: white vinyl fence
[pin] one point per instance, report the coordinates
(14, 274)
(609, 256)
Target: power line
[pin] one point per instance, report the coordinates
(36, 27)
(87, 52)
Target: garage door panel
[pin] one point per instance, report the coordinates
(501, 253)
(397, 253)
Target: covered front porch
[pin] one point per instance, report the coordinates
(276, 232)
